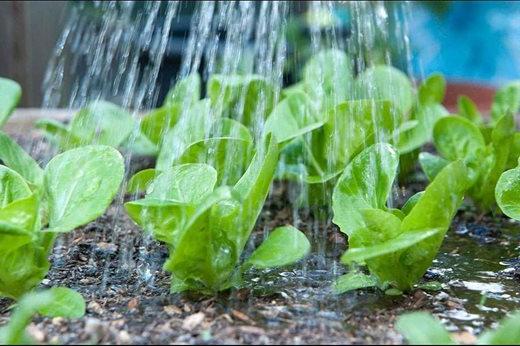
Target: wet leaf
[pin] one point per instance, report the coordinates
(328, 78)
(284, 246)
(103, 123)
(17, 159)
(212, 240)
(468, 109)
(161, 218)
(421, 328)
(245, 98)
(187, 183)
(156, 123)
(292, 117)
(507, 193)
(55, 302)
(415, 137)
(386, 83)
(141, 180)
(507, 333)
(80, 184)
(432, 89)
(219, 152)
(186, 90)
(365, 183)
(432, 164)
(506, 101)
(10, 94)
(353, 281)
(411, 202)
(457, 138)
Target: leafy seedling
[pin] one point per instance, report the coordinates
(507, 192)
(198, 138)
(487, 153)
(10, 93)
(422, 328)
(248, 99)
(396, 245)
(207, 228)
(36, 205)
(328, 79)
(181, 98)
(100, 122)
(54, 302)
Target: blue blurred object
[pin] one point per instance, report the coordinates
(472, 41)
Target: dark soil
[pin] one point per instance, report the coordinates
(118, 271)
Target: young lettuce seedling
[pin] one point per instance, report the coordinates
(335, 126)
(54, 302)
(207, 228)
(10, 93)
(487, 149)
(184, 94)
(37, 205)
(100, 122)
(421, 328)
(396, 245)
(245, 98)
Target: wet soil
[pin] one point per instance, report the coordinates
(118, 271)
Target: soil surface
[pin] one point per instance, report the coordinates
(118, 271)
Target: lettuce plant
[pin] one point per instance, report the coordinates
(245, 98)
(100, 122)
(36, 205)
(207, 228)
(184, 94)
(338, 115)
(54, 302)
(487, 149)
(10, 93)
(507, 192)
(421, 328)
(397, 245)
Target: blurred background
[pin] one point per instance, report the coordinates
(475, 44)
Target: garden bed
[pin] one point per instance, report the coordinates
(118, 272)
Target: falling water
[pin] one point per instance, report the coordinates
(101, 57)
(114, 51)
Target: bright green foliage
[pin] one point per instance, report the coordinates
(328, 79)
(10, 93)
(507, 333)
(468, 109)
(100, 122)
(348, 128)
(507, 193)
(185, 90)
(206, 229)
(248, 99)
(421, 328)
(487, 150)
(185, 94)
(293, 117)
(386, 83)
(397, 246)
(54, 302)
(75, 188)
(200, 139)
(506, 101)
(284, 246)
(417, 131)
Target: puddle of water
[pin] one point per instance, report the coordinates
(480, 275)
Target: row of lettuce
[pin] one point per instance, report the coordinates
(346, 137)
